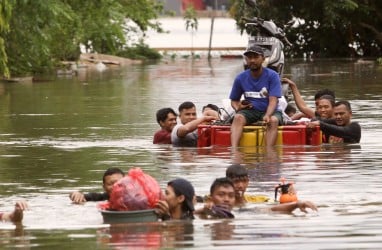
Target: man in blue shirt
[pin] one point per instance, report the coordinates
(261, 88)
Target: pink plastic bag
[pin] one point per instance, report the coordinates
(136, 191)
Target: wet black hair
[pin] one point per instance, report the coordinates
(323, 92)
(329, 98)
(236, 171)
(184, 187)
(224, 181)
(162, 114)
(346, 103)
(111, 171)
(211, 106)
(290, 108)
(186, 105)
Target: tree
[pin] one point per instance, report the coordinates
(27, 42)
(106, 25)
(38, 34)
(191, 19)
(330, 28)
(5, 14)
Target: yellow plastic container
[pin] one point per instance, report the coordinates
(262, 132)
(286, 135)
(252, 136)
(279, 140)
(248, 138)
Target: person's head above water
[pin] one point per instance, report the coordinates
(236, 171)
(238, 174)
(166, 118)
(182, 187)
(323, 92)
(325, 106)
(222, 193)
(111, 176)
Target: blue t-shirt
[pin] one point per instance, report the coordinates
(256, 90)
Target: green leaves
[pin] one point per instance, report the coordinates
(191, 19)
(36, 34)
(5, 14)
(329, 26)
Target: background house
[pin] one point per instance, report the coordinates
(201, 6)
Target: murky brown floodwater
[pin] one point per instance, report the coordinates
(59, 136)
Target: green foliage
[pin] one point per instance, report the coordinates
(142, 13)
(330, 29)
(190, 16)
(42, 33)
(106, 25)
(28, 42)
(101, 25)
(140, 51)
(5, 14)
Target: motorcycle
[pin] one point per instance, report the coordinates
(266, 34)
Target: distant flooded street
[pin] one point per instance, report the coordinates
(224, 34)
(60, 136)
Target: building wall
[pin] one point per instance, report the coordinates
(173, 5)
(217, 4)
(197, 4)
(178, 6)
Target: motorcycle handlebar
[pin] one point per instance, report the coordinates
(252, 20)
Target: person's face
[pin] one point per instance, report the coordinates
(187, 115)
(224, 195)
(109, 182)
(342, 115)
(316, 103)
(291, 113)
(206, 109)
(240, 184)
(325, 108)
(254, 61)
(169, 123)
(172, 200)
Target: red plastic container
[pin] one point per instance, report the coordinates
(204, 136)
(214, 135)
(293, 135)
(221, 135)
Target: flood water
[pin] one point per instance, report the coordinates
(59, 136)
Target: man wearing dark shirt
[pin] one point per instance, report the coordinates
(111, 176)
(340, 129)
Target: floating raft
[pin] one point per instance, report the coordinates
(218, 135)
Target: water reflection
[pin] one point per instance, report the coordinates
(174, 234)
(60, 136)
(221, 230)
(14, 237)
